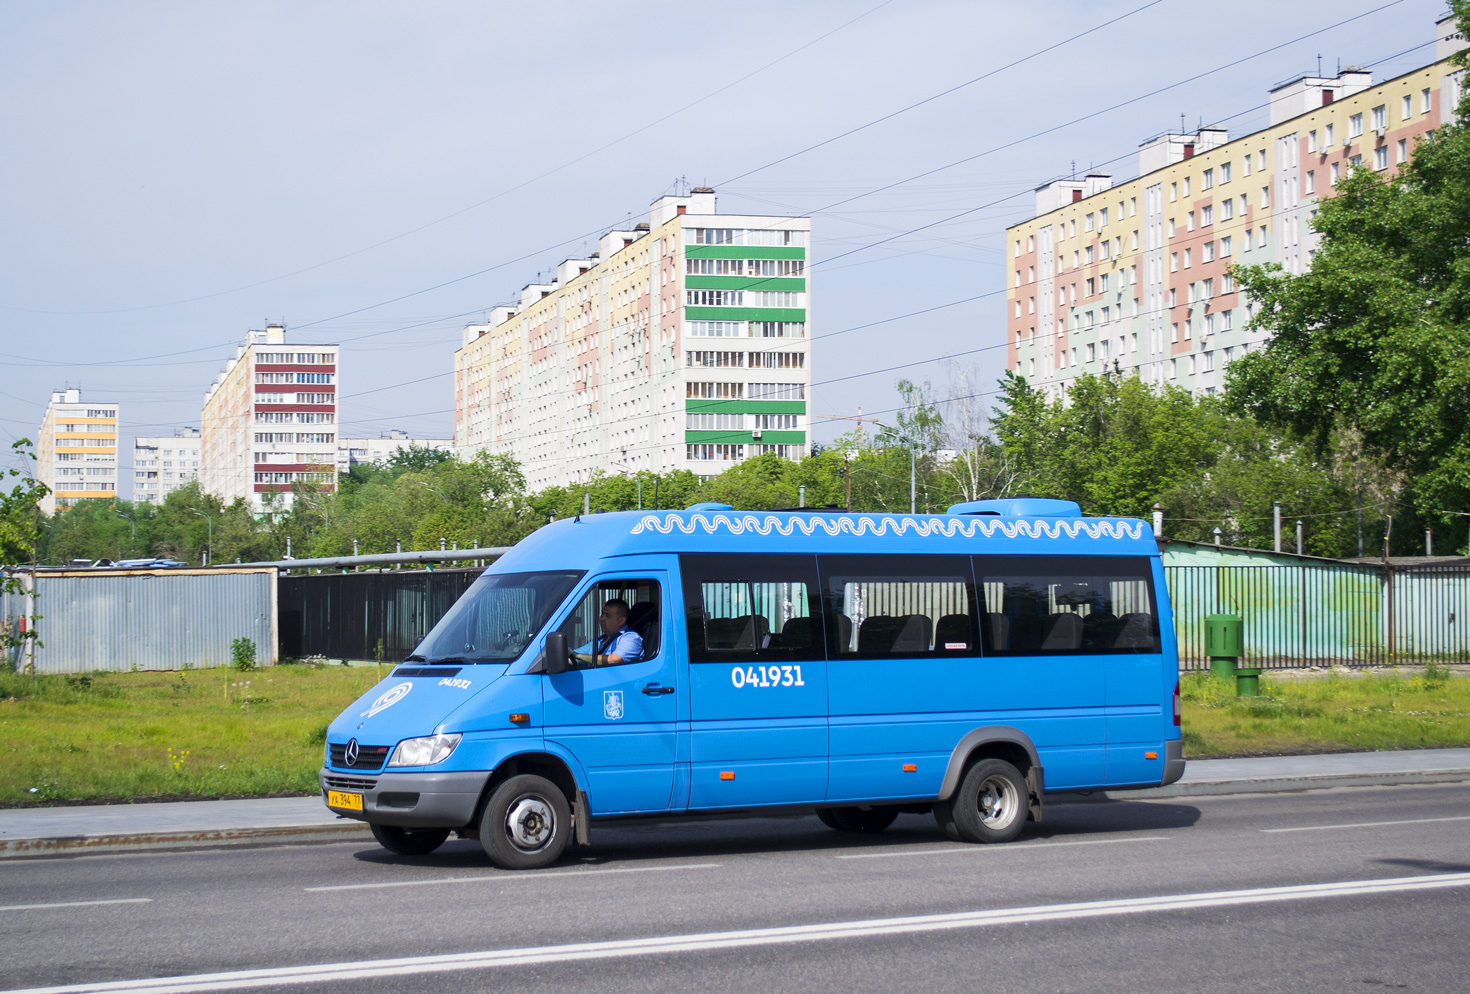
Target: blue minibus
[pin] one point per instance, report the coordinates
(710, 660)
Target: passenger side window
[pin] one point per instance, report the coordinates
(639, 597)
(751, 608)
(905, 606)
(1067, 605)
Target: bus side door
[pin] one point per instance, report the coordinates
(758, 680)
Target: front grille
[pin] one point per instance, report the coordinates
(351, 783)
(368, 757)
(426, 671)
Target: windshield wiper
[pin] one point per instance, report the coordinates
(415, 658)
(447, 661)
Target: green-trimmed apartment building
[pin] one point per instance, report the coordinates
(680, 344)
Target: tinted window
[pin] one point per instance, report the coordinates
(751, 608)
(495, 619)
(1067, 605)
(641, 596)
(898, 606)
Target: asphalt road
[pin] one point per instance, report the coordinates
(1340, 890)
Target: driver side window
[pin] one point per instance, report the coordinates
(634, 637)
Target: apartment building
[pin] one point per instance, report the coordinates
(1137, 275)
(163, 463)
(365, 451)
(76, 450)
(680, 344)
(270, 421)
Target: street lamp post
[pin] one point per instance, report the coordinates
(133, 537)
(209, 554)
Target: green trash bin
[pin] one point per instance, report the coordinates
(1224, 643)
(1248, 681)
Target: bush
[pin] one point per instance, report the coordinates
(242, 654)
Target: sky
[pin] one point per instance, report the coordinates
(378, 175)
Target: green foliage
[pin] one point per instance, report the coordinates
(242, 654)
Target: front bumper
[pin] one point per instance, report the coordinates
(1173, 761)
(409, 800)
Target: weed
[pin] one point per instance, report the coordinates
(242, 654)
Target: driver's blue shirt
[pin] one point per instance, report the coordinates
(627, 644)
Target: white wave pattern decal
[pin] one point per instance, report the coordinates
(946, 527)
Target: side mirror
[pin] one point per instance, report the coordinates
(556, 652)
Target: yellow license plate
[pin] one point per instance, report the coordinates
(345, 801)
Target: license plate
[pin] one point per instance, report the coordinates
(343, 800)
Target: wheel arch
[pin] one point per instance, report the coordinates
(543, 763)
(995, 742)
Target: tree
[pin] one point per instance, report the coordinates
(1374, 339)
(19, 536)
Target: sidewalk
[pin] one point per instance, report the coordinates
(198, 824)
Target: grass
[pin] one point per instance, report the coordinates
(1332, 713)
(156, 736)
(220, 733)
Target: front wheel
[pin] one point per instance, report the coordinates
(990, 805)
(409, 841)
(526, 823)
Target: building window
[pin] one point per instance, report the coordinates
(1173, 296)
(1336, 174)
(1207, 252)
(1224, 172)
(1018, 249)
(1088, 255)
(1188, 254)
(1091, 352)
(1380, 117)
(1030, 243)
(1380, 157)
(1355, 125)
(1402, 151)
(1424, 101)
(1102, 218)
(1173, 262)
(1132, 206)
(1173, 192)
(1261, 160)
(1262, 243)
(1207, 215)
(1311, 181)
(1133, 242)
(1356, 160)
(1174, 332)
(1246, 165)
(1090, 222)
(1225, 318)
(1225, 246)
(1265, 197)
(1227, 208)
(1186, 187)
(1407, 109)
(1171, 227)
(1312, 140)
(1207, 180)
(1189, 221)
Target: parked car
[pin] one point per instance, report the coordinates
(153, 563)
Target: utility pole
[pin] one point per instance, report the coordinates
(1276, 524)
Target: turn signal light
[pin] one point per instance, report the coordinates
(910, 767)
(1150, 755)
(520, 719)
(727, 775)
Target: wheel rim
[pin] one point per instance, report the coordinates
(999, 801)
(530, 824)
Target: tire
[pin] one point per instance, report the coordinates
(863, 821)
(825, 816)
(409, 841)
(991, 804)
(527, 823)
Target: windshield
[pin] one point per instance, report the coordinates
(495, 619)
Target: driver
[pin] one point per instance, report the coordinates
(616, 644)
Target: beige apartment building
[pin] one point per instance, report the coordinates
(1136, 276)
(76, 450)
(679, 344)
(163, 463)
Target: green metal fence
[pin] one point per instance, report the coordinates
(1326, 615)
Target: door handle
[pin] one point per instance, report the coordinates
(653, 690)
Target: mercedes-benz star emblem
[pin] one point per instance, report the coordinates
(350, 754)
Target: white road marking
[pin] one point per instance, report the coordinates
(505, 877)
(1368, 824)
(74, 904)
(1013, 847)
(708, 941)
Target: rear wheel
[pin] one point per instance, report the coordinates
(526, 823)
(863, 820)
(825, 816)
(409, 841)
(990, 805)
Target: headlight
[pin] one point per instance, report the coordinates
(424, 751)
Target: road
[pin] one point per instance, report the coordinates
(1334, 890)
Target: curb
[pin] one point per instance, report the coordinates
(82, 845)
